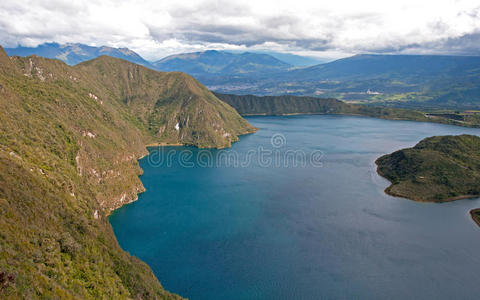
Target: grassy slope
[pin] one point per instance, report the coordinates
(160, 101)
(69, 140)
(437, 169)
(280, 105)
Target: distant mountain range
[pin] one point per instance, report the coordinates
(419, 80)
(289, 58)
(73, 54)
(366, 66)
(214, 62)
(296, 60)
(428, 81)
(197, 63)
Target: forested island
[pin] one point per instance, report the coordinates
(437, 169)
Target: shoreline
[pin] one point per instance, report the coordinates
(461, 197)
(163, 144)
(387, 191)
(475, 215)
(427, 120)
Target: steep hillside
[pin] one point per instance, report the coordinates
(73, 54)
(437, 169)
(174, 107)
(278, 105)
(69, 142)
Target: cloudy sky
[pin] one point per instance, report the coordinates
(333, 28)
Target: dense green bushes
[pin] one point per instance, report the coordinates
(437, 169)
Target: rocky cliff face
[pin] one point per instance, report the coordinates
(70, 138)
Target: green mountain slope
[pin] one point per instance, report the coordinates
(174, 107)
(69, 142)
(278, 105)
(437, 169)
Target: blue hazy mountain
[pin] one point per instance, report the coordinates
(73, 54)
(420, 80)
(214, 62)
(366, 66)
(292, 59)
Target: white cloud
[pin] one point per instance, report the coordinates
(323, 28)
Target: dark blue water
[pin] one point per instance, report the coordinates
(251, 228)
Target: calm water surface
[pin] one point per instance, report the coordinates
(279, 231)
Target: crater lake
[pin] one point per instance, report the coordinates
(298, 211)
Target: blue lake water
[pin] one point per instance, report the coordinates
(246, 223)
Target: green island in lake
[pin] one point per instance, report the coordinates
(437, 169)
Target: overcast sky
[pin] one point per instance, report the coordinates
(333, 28)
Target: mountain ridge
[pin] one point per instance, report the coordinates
(376, 65)
(74, 53)
(197, 107)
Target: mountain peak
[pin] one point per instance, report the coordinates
(74, 53)
(211, 51)
(214, 62)
(175, 107)
(2, 52)
(5, 61)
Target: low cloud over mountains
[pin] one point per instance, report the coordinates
(319, 28)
